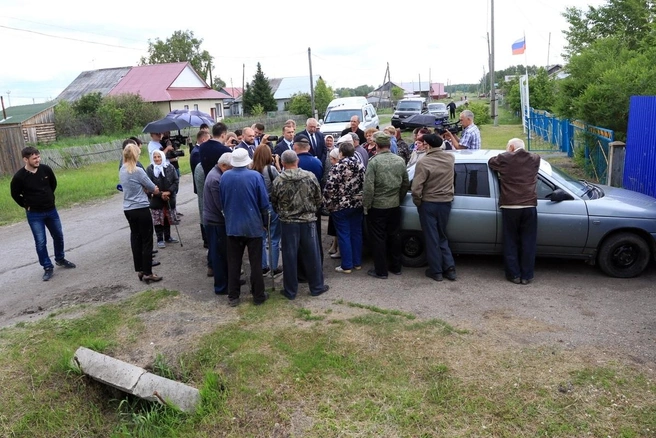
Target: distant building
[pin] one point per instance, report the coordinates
(434, 90)
(37, 121)
(169, 86)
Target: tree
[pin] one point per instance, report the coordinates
(630, 20)
(323, 94)
(259, 92)
(301, 104)
(397, 93)
(182, 46)
(542, 91)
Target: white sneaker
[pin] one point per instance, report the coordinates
(337, 255)
(343, 271)
(161, 244)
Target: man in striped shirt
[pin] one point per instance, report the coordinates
(471, 136)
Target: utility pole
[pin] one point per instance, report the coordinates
(314, 110)
(548, 50)
(380, 94)
(429, 85)
(493, 91)
(243, 87)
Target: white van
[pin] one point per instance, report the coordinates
(340, 111)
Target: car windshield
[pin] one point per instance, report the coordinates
(409, 106)
(579, 187)
(342, 115)
(437, 107)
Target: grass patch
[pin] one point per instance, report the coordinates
(378, 373)
(76, 186)
(378, 309)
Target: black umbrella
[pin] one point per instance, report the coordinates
(166, 124)
(421, 120)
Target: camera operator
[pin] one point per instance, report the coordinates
(171, 149)
(471, 136)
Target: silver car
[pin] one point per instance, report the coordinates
(615, 228)
(439, 110)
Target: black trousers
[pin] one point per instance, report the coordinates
(141, 238)
(236, 246)
(385, 238)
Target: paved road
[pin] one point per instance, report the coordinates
(570, 303)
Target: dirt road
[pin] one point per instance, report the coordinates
(570, 304)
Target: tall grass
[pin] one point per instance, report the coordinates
(76, 186)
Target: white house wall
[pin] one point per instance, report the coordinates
(188, 79)
(203, 105)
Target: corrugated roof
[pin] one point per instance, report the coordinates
(233, 91)
(153, 84)
(150, 81)
(287, 87)
(18, 114)
(93, 81)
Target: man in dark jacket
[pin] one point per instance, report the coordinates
(355, 127)
(518, 173)
(33, 188)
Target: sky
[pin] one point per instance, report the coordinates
(45, 45)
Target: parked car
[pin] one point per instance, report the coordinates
(439, 110)
(614, 228)
(406, 108)
(341, 110)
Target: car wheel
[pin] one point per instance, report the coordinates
(623, 255)
(413, 249)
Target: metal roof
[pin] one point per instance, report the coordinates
(153, 83)
(93, 81)
(21, 113)
(287, 87)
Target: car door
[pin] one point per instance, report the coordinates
(562, 226)
(473, 223)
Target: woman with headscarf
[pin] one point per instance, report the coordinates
(162, 205)
(135, 183)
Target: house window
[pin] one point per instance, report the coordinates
(219, 110)
(196, 106)
(186, 107)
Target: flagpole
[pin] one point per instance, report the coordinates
(528, 104)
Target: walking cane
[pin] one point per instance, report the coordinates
(175, 222)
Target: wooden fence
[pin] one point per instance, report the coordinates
(79, 156)
(11, 145)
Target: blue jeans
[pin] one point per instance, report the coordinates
(434, 216)
(271, 260)
(300, 238)
(39, 221)
(348, 225)
(218, 256)
(520, 233)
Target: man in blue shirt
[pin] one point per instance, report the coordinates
(245, 205)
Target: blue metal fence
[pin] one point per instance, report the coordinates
(549, 133)
(640, 159)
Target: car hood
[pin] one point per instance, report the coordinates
(334, 127)
(622, 202)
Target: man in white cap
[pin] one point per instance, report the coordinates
(245, 206)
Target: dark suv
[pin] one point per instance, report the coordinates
(406, 108)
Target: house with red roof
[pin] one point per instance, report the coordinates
(169, 86)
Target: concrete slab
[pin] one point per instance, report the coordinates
(135, 380)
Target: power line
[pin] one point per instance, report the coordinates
(69, 28)
(69, 38)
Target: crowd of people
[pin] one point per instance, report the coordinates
(267, 194)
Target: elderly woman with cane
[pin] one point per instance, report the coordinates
(135, 183)
(162, 205)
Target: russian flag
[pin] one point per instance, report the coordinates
(519, 46)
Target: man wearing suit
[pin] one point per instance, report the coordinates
(247, 142)
(317, 141)
(286, 142)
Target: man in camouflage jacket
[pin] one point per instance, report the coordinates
(296, 196)
(385, 185)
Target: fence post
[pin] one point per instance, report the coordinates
(617, 153)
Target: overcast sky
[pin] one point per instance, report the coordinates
(47, 44)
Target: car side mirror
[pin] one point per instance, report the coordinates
(320, 121)
(559, 195)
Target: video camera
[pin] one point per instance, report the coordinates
(441, 126)
(176, 142)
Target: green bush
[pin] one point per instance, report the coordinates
(97, 115)
(481, 112)
(301, 104)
